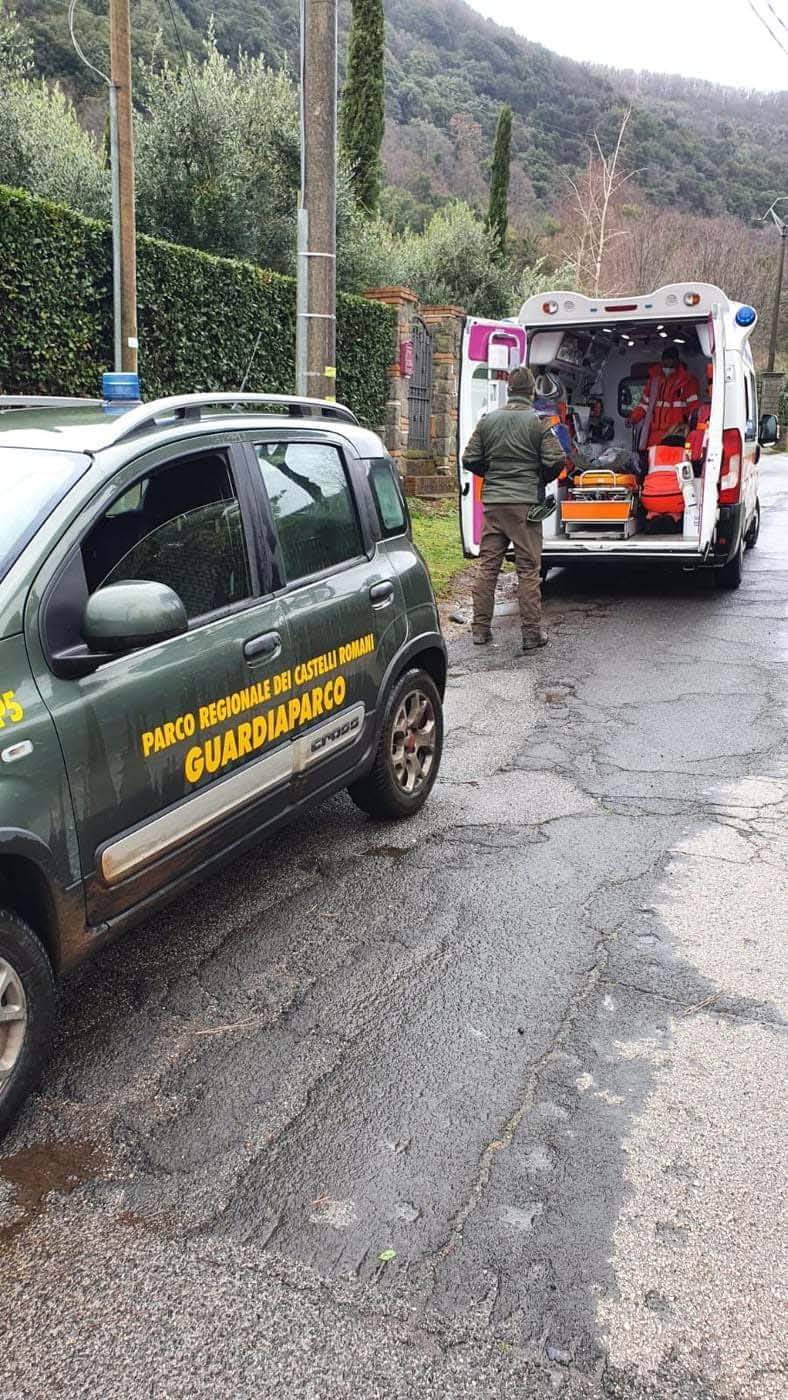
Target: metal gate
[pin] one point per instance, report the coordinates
(420, 392)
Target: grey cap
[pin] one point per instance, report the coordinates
(521, 381)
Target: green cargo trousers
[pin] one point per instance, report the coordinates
(503, 524)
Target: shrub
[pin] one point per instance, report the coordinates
(199, 316)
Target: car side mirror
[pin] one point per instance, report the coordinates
(125, 616)
(768, 430)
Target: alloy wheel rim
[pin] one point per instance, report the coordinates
(13, 1020)
(413, 739)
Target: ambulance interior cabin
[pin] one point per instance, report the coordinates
(623, 482)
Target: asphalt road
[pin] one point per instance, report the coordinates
(531, 1041)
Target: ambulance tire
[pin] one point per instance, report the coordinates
(28, 997)
(544, 570)
(729, 576)
(409, 751)
(751, 538)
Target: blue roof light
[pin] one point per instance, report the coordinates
(746, 316)
(120, 388)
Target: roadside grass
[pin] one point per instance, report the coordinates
(436, 531)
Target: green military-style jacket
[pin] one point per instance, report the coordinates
(514, 445)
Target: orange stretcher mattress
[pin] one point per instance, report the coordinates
(591, 511)
(593, 480)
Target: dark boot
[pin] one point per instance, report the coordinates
(481, 635)
(534, 638)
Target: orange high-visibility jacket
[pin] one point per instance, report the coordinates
(667, 400)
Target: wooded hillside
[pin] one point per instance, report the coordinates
(694, 145)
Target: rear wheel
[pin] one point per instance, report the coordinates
(754, 528)
(409, 753)
(28, 1011)
(729, 576)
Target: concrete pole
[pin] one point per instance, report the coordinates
(777, 298)
(317, 215)
(120, 73)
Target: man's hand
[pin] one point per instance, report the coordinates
(638, 414)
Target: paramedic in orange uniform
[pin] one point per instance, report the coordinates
(671, 396)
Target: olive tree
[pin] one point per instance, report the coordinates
(217, 157)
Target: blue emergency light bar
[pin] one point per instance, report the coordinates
(120, 388)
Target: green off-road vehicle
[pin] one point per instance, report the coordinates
(212, 615)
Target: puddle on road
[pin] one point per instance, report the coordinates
(35, 1172)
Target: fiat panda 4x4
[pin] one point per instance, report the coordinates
(212, 615)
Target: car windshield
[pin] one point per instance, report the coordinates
(31, 483)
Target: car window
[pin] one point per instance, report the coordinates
(312, 505)
(180, 526)
(750, 402)
(388, 500)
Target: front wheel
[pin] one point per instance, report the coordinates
(409, 752)
(729, 576)
(28, 1011)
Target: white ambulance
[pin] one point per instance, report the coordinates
(594, 360)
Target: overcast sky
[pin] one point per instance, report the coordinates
(721, 40)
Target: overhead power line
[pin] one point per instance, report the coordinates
(186, 64)
(187, 68)
(777, 15)
(80, 51)
(764, 21)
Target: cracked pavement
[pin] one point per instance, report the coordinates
(533, 1042)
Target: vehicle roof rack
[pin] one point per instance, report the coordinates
(44, 401)
(189, 407)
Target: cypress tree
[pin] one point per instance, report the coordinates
(498, 211)
(362, 113)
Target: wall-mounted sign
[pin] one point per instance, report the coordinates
(406, 357)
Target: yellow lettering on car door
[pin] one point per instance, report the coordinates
(10, 708)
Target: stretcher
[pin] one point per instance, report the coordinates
(600, 501)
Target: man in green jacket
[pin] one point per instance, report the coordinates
(515, 452)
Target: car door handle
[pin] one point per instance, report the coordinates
(267, 644)
(381, 594)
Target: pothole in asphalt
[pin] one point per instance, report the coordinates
(392, 852)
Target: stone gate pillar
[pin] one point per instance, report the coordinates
(395, 429)
(446, 324)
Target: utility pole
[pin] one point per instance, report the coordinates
(120, 72)
(782, 225)
(317, 213)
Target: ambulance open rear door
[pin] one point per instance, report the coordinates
(490, 351)
(712, 342)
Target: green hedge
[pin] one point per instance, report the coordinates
(199, 316)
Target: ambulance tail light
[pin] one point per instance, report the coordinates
(730, 479)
